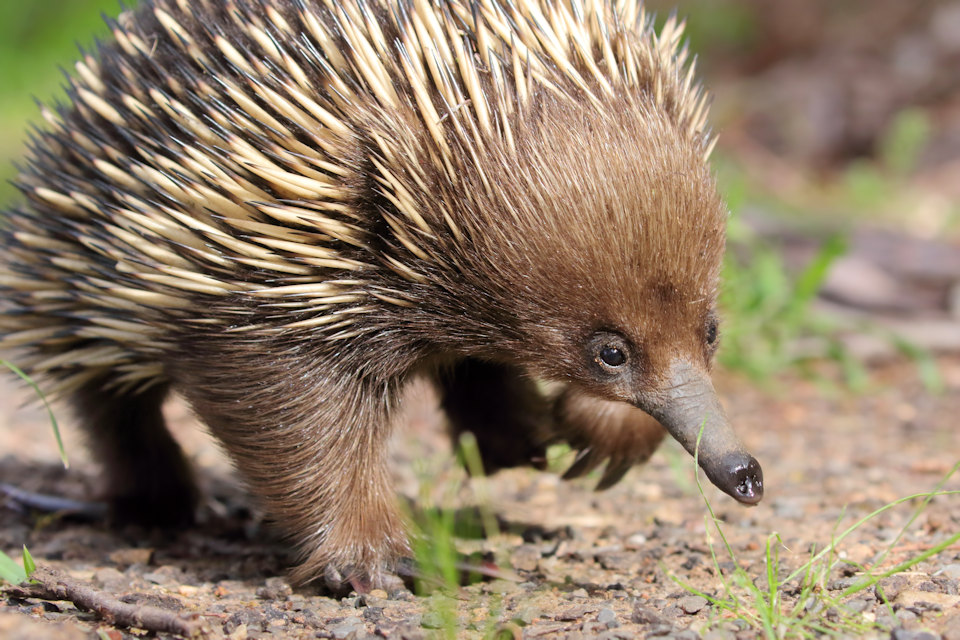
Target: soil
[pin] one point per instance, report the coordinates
(573, 563)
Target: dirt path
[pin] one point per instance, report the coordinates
(588, 564)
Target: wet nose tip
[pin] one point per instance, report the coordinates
(747, 480)
(738, 475)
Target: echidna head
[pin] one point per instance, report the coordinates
(598, 248)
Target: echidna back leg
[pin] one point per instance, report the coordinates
(147, 479)
(502, 407)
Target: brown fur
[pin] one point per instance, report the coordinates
(612, 432)
(288, 268)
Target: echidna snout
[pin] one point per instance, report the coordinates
(691, 412)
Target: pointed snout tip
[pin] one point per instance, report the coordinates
(742, 478)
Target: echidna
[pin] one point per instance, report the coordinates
(284, 209)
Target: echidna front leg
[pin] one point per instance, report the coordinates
(310, 439)
(148, 480)
(502, 407)
(601, 430)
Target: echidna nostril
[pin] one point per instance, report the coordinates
(749, 482)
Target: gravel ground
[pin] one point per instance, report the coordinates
(573, 563)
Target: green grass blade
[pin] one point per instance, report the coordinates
(873, 514)
(919, 510)
(713, 516)
(53, 419)
(811, 279)
(474, 465)
(10, 571)
(925, 362)
(29, 566)
(869, 581)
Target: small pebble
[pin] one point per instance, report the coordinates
(904, 634)
(905, 615)
(672, 612)
(951, 627)
(890, 588)
(166, 576)
(857, 606)
(527, 615)
(131, 556)
(574, 613)
(636, 541)
(274, 589)
(526, 557)
(692, 604)
(373, 614)
(646, 615)
(111, 580)
(592, 629)
(931, 586)
(607, 617)
(159, 600)
(238, 633)
(951, 571)
(843, 583)
(249, 619)
(347, 626)
(718, 634)
(887, 621)
(622, 561)
(660, 630)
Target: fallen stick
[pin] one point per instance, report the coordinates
(46, 583)
(21, 500)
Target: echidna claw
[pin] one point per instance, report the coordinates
(614, 472)
(584, 463)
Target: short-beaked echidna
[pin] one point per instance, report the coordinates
(284, 209)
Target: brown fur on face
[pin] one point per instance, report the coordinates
(284, 210)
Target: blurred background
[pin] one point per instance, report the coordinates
(839, 153)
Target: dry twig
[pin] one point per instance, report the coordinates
(49, 584)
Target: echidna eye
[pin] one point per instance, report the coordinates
(612, 356)
(711, 332)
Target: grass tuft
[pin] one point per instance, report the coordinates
(441, 566)
(814, 612)
(53, 419)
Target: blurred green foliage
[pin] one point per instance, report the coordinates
(37, 40)
(870, 184)
(904, 140)
(770, 309)
(711, 25)
(767, 306)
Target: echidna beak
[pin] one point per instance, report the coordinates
(691, 412)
